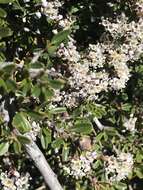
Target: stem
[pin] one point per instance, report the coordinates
(99, 125)
(40, 162)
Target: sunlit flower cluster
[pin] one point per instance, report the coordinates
(69, 52)
(51, 9)
(14, 181)
(104, 66)
(118, 168)
(81, 166)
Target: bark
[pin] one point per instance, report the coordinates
(41, 163)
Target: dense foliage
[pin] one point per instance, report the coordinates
(71, 79)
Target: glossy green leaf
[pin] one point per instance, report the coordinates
(57, 84)
(65, 153)
(3, 84)
(47, 133)
(82, 126)
(44, 141)
(52, 49)
(21, 123)
(48, 93)
(57, 110)
(35, 115)
(23, 139)
(6, 1)
(3, 13)
(60, 37)
(5, 32)
(11, 85)
(126, 107)
(36, 91)
(4, 148)
(17, 147)
(139, 172)
(121, 186)
(57, 143)
(45, 137)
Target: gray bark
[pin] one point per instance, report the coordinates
(41, 163)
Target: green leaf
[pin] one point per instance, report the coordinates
(58, 110)
(57, 143)
(52, 49)
(5, 32)
(17, 147)
(48, 93)
(6, 1)
(60, 37)
(7, 67)
(121, 186)
(21, 123)
(65, 153)
(139, 157)
(4, 148)
(99, 136)
(96, 109)
(45, 137)
(2, 84)
(47, 133)
(11, 85)
(57, 84)
(23, 139)
(82, 126)
(35, 115)
(42, 139)
(126, 107)
(3, 13)
(36, 91)
(139, 172)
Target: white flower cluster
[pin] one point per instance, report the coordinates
(35, 131)
(80, 167)
(139, 7)
(51, 10)
(14, 181)
(69, 52)
(130, 123)
(132, 32)
(118, 168)
(104, 66)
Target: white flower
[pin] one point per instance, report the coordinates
(69, 52)
(35, 131)
(129, 124)
(38, 14)
(80, 167)
(44, 3)
(118, 168)
(15, 181)
(51, 9)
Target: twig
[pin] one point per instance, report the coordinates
(99, 125)
(41, 188)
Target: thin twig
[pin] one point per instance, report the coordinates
(99, 125)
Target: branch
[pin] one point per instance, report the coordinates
(99, 125)
(35, 153)
(40, 162)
